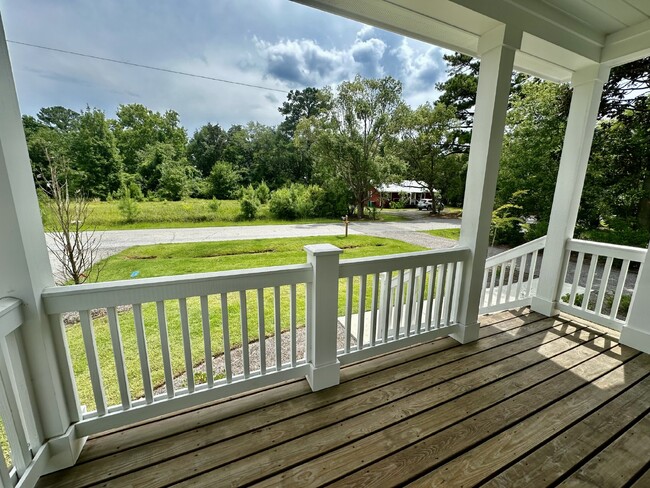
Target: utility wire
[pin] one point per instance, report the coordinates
(137, 65)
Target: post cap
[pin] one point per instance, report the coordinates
(322, 249)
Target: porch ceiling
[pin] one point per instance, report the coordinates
(560, 36)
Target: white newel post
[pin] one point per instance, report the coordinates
(322, 316)
(636, 333)
(583, 112)
(497, 49)
(25, 271)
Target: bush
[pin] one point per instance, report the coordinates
(127, 205)
(282, 204)
(249, 205)
(263, 193)
(214, 205)
(299, 201)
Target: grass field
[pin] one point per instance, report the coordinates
(453, 234)
(174, 259)
(187, 213)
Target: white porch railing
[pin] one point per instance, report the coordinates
(510, 278)
(209, 313)
(391, 302)
(600, 286)
(16, 412)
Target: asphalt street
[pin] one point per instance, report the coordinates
(114, 241)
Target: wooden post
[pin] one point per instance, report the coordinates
(25, 271)
(346, 221)
(587, 91)
(322, 316)
(497, 49)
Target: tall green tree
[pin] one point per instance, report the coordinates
(206, 147)
(59, 118)
(93, 153)
(532, 146)
(428, 144)
(302, 104)
(137, 127)
(349, 142)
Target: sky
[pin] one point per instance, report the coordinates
(275, 44)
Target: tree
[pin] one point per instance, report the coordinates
(626, 84)
(223, 180)
(459, 89)
(59, 118)
(348, 142)
(429, 147)
(238, 152)
(93, 153)
(206, 147)
(75, 247)
(137, 127)
(166, 175)
(302, 104)
(532, 146)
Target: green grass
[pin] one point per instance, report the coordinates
(174, 259)
(187, 213)
(453, 234)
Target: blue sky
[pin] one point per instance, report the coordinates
(273, 43)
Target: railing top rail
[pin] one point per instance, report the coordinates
(603, 249)
(60, 299)
(378, 264)
(515, 252)
(11, 315)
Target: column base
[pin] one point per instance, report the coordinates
(466, 333)
(543, 306)
(324, 376)
(635, 338)
(64, 450)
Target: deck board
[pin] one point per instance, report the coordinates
(536, 399)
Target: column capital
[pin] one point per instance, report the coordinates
(501, 36)
(590, 74)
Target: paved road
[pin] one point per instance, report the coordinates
(115, 241)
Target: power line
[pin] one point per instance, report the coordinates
(137, 65)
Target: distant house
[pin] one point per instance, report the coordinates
(382, 195)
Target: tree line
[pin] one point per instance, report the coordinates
(345, 140)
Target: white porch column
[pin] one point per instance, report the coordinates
(497, 49)
(24, 265)
(587, 92)
(636, 333)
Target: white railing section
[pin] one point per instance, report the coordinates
(393, 301)
(510, 278)
(16, 409)
(208, 314)
(600, 285)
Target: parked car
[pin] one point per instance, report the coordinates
(425, 204)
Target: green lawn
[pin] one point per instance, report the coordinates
(187, 213)
(174, 259)
(453, 234)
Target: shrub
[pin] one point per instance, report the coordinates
(282, 204)
(298, 201)
(214, 205)
(127, 205)
(249, 205)
(263, 193)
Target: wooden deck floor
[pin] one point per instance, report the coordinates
(535, 402)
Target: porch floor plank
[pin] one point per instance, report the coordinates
(535, 401)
